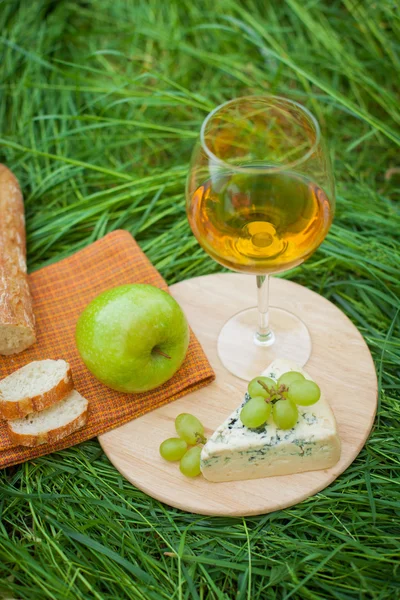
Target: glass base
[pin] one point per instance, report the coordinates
(246, 356)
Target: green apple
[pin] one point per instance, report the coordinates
(133, 338)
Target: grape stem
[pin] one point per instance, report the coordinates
(200, 439)
(278, 395)
(266, 388)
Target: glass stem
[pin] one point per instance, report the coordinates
(264, 336)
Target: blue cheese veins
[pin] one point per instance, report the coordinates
(235, 452)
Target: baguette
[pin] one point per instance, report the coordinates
(17, 324)
(52, 424)
(34, 387)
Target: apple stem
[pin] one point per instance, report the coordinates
(161, 353)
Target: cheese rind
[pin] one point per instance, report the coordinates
(235, 452)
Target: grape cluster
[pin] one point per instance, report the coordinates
(279, 398)
(191, 433)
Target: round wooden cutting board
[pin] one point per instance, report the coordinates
(340, 362)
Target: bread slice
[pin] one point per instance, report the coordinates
(52, 424)
(34, 387)
(17, 321)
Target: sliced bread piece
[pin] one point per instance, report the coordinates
(34, 387)
(52, 424)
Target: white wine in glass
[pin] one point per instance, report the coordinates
(260, 200)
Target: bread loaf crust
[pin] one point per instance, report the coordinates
(47, 437)
(17, 324)
(16, 410)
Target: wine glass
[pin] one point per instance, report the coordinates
(260, 200)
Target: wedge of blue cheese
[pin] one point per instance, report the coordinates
(235, 452)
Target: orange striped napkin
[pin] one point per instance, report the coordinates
(60, 293)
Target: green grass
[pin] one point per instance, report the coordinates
(100, 105)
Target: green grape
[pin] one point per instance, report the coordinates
(304, 392)
(255, 412)
(189, 428)
(190, 462)
(173, 448)
(285, 414)
(256, 389)
(289, 377)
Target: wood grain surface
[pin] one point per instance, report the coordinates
(340, 362)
